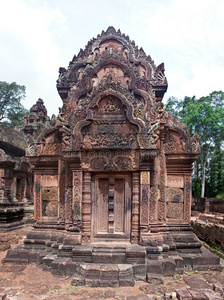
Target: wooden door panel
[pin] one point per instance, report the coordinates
(102, 205)
(111, 214)
(119, 205)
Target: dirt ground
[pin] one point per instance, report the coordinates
(23, 282)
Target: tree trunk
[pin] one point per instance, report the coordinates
(203, 165)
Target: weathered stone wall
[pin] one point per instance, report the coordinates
(210, 233)
(206, 205)
(216, 205)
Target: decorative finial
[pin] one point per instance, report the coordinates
(110, 30)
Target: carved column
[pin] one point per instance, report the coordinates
(86, 206)
(8, 185)
(144, 202)
(153, 205)
(23, 187)
(77, 196)
(135, 208)
(68, 199)
(187, 198)
(162, 185)
(37, 197)
(2, 184)
(61, 198)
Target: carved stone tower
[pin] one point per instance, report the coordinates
(114, 171)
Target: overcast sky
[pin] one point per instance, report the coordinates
(39, 36)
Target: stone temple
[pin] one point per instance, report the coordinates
(112, 174)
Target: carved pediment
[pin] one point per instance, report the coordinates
(49, 145)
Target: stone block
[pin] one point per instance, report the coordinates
(175, 181)
(205, 258)
(92, 271)
(197, 294)
(127, 282)
(73, 239)
(175, 210)
(55, 248)
(58, 267)
(109, 283)
(65, 250)
(196, 283)
(140, 272)
(183, 294)
(126, 275)
(168, 266)
(82, 253)
(109, 272)
(92, 282)
(179, 261)
(40, 257)
(219, 288)
(118, 258)
(33, 254)
(70, 267)
(154, 278)
(174, 195)
(17, 255)
(48, 245)
(46, 262)
(135, 254)
(77, 280)
(36, 234)
(211, 295)
(102, 258)
(154, 267)
(152, 240)
(187, 261)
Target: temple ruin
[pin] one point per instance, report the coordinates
(112, 174)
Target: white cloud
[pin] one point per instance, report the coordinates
(29, 54)
(39, 36)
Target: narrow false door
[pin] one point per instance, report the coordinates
(111, 206)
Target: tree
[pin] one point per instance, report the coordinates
(11, 109)
(206, 117)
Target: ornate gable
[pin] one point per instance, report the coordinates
(112, 86)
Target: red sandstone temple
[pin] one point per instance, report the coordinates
(112, 177)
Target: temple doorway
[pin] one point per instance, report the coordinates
(111, 206)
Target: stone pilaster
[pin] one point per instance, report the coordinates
(61, 204)
(68, 199)
(37, 197)
(162, 185)
(86, 208)
(135, 208)
(144, 199)
(187, 198)
(153, 204)
(77, 196)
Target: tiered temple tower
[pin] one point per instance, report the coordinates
(113, 173)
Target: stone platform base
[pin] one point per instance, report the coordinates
(11, 218)
(107, 264)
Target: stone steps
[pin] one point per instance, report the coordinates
(104, 275)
